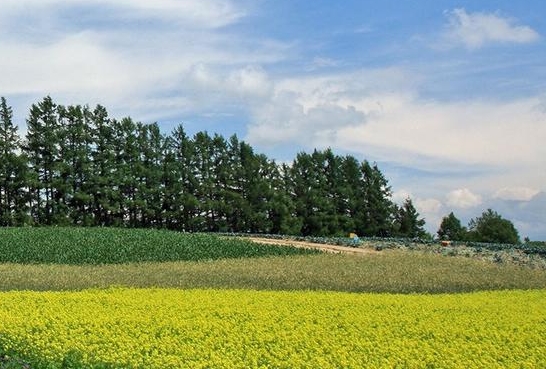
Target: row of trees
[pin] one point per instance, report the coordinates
(489, 227)
(78, 166)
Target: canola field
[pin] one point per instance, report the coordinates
(169, 328)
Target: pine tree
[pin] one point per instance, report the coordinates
(451, 228)
(12, 171)
(283, 212)
(128, 171)
(42, 148)
(375, 211)
(180, 182)
(102, 185)
(408, 223)
(204, 162)
(150, 189)
(73, 183)
(311, 193)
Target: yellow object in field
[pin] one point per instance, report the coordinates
(353, 235)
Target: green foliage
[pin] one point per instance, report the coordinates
(67, 245)
(407, 222)
(492, 228)
(81, 167)
(451, 229)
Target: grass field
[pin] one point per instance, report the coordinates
(159, 299)
(388, 271)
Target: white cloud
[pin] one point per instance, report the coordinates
(354, 112)
(463, 198)
(473, 30)
(516, 193)
(194, 13)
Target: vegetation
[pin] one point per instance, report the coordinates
(209, 311)
(66, 245)
(161, 328)
(451, 229)
(78, 166)
(392, 271)
(490, 227)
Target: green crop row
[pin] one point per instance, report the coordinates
(66, 245)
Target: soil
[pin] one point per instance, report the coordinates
(311, 245)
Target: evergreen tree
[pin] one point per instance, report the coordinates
(179, 179)
(73, 183)
(12, 171)
(451, 228)
(102, 185)
(42, 148)
(205, 160)
(408, 223)
(375, 210)
(150, 190)
(128, 172)
(282, 210)
(233, 186)
(311, 194)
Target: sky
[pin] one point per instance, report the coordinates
(447, 97)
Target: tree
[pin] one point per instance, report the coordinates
(491, 227)
(72, 184)
(407, 221)
(12, 171)
(375, 213)
(451, 228)
(312, 193)
(42, 148)
(102, 184)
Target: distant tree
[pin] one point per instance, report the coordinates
(376, 211)
(451, 228)
(313, 192)
(491, 227)
(102, 185)
(150, 191)
(13, 173)
(42, 148)
(73, 191)
(407, 222)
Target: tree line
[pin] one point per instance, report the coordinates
(489, 227)
(78, 166)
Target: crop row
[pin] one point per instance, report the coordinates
(66, 245)
(164, 328)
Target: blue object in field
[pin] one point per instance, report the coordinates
(354, 238)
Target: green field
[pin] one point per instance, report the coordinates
(275, 297)
(82, 246)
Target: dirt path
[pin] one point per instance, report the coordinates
(311, 245)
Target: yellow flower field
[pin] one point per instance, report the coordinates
(168, 328)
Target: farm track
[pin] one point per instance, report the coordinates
(311, 245)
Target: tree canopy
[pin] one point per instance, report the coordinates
(451, 229)
(491, 227)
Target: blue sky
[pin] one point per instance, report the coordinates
(448, 97)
